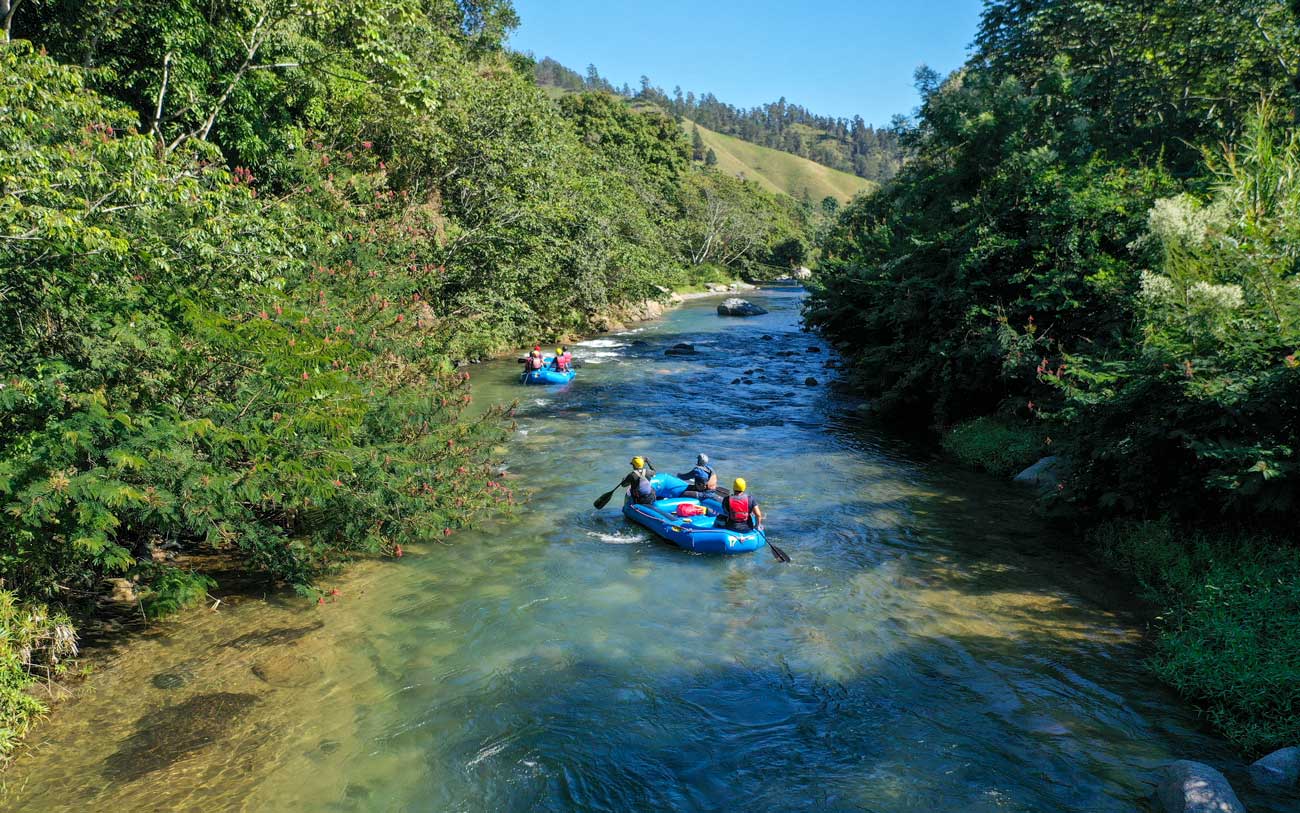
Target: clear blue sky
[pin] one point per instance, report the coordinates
(835, 57)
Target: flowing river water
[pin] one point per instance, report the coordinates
(928, 649)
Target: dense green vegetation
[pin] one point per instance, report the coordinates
(243, 248)
(994, 445)
(1098, 232)
(851, 146)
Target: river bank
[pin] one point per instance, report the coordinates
(119, 620)
(922, 651)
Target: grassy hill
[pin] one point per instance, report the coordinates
(781, 171)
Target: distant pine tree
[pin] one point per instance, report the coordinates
(711, 158)
(850, 145)
(697, 145)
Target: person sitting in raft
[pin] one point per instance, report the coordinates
(562, 361)
(701, 480)
(739, 511)
(638, 484)
(534, 361)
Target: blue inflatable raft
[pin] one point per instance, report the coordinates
(547, 376)
(690, 533)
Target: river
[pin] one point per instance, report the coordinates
(927, 649)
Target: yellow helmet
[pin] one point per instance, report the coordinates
(739, 485)
(559, 351)
(638, 462)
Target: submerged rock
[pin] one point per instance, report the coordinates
(735, 306)
(174, 679)
(165, 736)
(682, 349)
(272, 637)
(814, 349)
(1194, 787)
(1277, 771)
(765, 337)
(288, 669)
(810, 381)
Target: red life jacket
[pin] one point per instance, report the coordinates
(737, 506)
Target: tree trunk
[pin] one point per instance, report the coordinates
(1295, 80)
(7, 9)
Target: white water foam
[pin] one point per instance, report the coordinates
(616, 539)
(601, 343)
(487, 753)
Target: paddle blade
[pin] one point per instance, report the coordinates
(603, 499)
(778, 553)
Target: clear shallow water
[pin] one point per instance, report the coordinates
(924, 651)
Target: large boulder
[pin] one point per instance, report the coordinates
(1277, 771)
(682, 349)
(1194, 787)
(1046, 474)
(735, 306)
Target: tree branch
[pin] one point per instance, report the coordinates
(162, 94)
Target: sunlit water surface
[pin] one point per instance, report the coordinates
(927, 648)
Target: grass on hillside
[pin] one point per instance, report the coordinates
(781, 171)
(774, 170)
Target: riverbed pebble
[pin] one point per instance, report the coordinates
(1194, 787)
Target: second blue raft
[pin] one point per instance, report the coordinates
(689, 533)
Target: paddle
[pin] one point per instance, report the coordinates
(778, 553)
(603, 499)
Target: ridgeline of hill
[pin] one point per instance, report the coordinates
(779, 171)
(849, 145)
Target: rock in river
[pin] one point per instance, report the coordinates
(810, 381)
(735, 306)
(681, 349)
(1044, 474)
(1278, 770)
(1194, 787)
